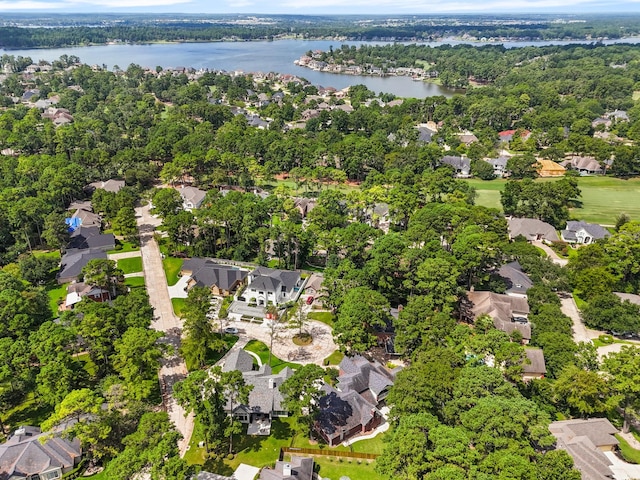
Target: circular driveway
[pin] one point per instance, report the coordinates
(283, 347)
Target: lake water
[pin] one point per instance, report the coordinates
(263, 56)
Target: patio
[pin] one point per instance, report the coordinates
(259, 426)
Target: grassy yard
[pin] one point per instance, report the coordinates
(354, 468)
(130, 265)
(324, 317)
(335, 358)
(123, 247)
(214, 355)
(178, 306)
(29, 412)
(56, 294)
(172, 268)
(629, 453)
(134, 282)
(262, 351)
(47, 254)
(603, 198)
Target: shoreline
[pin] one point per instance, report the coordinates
(410, 40)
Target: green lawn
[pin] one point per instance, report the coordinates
(335, 358)
(99, 476)
(29, 412)
(214, 355)
(324, 317)
(630, 454)
(47, 254)
(172, 268)
(130, 265)
(123, 247)
(134, 282)
(178, 306)
(603, 198)
(354, 468)
(262, 351)
(56, 294)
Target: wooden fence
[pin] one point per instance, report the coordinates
(326, 452)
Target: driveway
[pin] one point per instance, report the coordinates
(551, 254)
(243, 309)
(179, 290)
(622, 469)
(283, 347)
(570, 309)
(120, 256)
(172, 368)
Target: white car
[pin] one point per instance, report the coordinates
(231, 330)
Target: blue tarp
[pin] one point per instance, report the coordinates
(74, 223)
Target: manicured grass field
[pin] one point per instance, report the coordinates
(603, 198)
(130, 265)
(172, 268)
(47, 254)
(134, 282)
(332, 468)
(262, 351)
(56, 294)
(324, 317)
(335, 358)
(629, 453)
(29, 412)
(178, 306)
(125, 247)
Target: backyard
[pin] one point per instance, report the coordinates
(603, 198)
(262, 351)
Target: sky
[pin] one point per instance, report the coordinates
(314, 7)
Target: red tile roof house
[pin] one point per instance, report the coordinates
(353, 407)
(507, 135)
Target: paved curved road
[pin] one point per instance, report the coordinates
(173, 368)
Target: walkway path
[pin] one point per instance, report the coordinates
(570, 309)
(173, 368)
(120, 256)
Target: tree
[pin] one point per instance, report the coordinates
(57, 379)
(236, 391)
(202, 393)
(482, 170)
(153, 447)
(136, 360)
(581, 390)
(361, 311)
(299, 318)
(301, 393)
(37, 270)
(198, 329)
(623, 369)
(78, 405)
(125, 224)
(166, 202)
(522, 166)
(104, 274)
(608, 312)
(55, 232)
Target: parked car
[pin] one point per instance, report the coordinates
(231, 330)
(309, 300)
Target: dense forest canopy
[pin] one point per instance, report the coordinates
(62, 30)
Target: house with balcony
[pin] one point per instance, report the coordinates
(270, 286)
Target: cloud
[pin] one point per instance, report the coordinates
(29, 5)
(127, 3)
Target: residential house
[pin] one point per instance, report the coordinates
(79, 290)
(110, 185)
(313, 286)
(353, 406)
(499, 165)
(467, 138)
(90, 238)
(425, 134)
(304, 205)
(298, 468)
(29, 454)
(265, 400)
(534, 366)
(585, 165)
(549, 168)
(74, 260)
(516, 281)
(83, 218)
(268, 285)
(532, 229)
(192, 197)
(379, 216)
(222, 280)
(509, 313)
(583, 233)
(507, 135)
(461, 165)
(591, 443)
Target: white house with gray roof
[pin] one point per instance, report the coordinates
(583, 233)
(265, 400)
(192, 197)
(268, 285)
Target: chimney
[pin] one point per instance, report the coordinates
(272, 383)
(286, 470)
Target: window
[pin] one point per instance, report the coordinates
(51, 475)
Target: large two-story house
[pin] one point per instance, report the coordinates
(269, 286)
